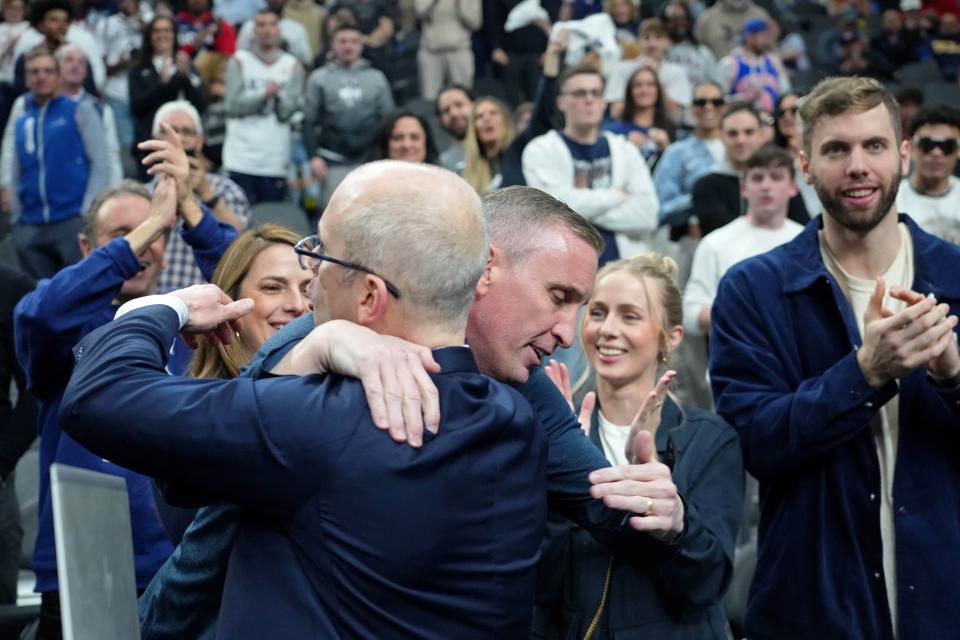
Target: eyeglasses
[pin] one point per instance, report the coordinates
(928, 144)
(716, 103)
(185, 131)
(310, 255)
(785, 110)
(583, 93)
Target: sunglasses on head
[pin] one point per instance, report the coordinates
(702, 102)
(928, 144)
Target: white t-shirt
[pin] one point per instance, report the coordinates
(716, 149)
(614, 438)
(293, 34)
(121, 36)
(886, 422)
(720, 250)
(939, 215)
(259, 144)
(672, 77)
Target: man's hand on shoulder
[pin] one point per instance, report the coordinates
(394, 373)
(211, 313)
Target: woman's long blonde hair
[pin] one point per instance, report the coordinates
(479, 167)
(668, 309)
(225, 361)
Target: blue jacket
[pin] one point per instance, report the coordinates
(54, 167)
(680, 166)
(675, 591)
(785, 375)
(48, 323)
(183, 599)
(347, 533)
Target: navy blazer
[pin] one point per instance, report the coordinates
(354, 535)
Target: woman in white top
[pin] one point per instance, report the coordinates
(689, 469)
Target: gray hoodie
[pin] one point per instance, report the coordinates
(342, 109)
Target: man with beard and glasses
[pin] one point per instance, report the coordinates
(835, 358)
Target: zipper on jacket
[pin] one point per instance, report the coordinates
(42, 179)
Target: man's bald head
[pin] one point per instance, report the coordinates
(417, 225)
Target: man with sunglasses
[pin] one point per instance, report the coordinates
(932, 194)
(686, 161)
(601, 175)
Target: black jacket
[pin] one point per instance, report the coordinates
(147, 94)
(717, 201)
(675, 590)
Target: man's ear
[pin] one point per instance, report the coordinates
(495, 263)
(805, 167)
(85, 247)
(372, 300)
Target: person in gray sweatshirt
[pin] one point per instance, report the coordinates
(344, 102)
(263, 89)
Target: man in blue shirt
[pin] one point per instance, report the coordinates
(833, 360)
(346, 533)
(59, 166)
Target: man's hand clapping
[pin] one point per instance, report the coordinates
(894, 344)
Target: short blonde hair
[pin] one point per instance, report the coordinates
(834, 96)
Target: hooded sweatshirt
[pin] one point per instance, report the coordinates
(342, 108)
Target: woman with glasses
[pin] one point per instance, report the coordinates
(489, 133)
(648, 116)
(162, 74)
(690, 466)
(686, 161)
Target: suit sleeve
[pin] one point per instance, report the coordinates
(782, 426)
(51, 319)
(246, 440)
(209, 240)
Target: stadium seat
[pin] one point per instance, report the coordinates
(282, 213)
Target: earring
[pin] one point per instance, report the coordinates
(663, 358)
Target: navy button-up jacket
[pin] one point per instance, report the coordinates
(346, 533)
(785, 375)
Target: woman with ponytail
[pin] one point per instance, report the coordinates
(690, 466)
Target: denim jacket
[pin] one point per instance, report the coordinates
(681, 165)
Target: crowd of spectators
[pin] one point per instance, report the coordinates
(671, 125)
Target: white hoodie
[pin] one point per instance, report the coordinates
(548, 165)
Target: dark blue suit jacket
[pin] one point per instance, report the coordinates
(354, 535)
